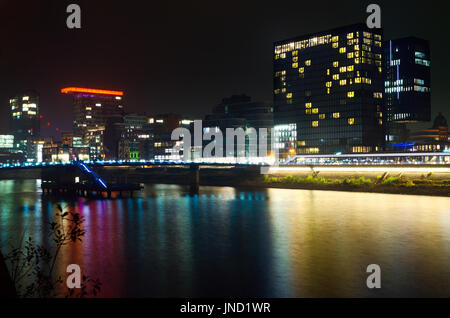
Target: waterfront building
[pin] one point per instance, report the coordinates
(94, 113)
(407, 86)
(25, 122)
(328, 92)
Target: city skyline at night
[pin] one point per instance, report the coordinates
(201, 68)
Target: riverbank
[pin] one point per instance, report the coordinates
(392, 185)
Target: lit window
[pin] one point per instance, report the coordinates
(322, 116)
(288, 96)
(336, 115)
(350, 68)
(308, 63)
(378, 95)
(334, 39)
(301, 70)
(343, 82)
(350, 55)
(351, 121)
(336, 64)
(315, 124)
(294, 65)
(329, 84)
(308, 105)
(336, 77)
(342, 50)
(315, 111)
(350, 36)
(335, 45)
(351, 94)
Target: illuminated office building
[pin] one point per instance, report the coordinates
(94, 113)
(328, 87)
(407, 85)
(25, 122)
(92, 107)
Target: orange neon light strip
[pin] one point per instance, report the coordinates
(69, 90)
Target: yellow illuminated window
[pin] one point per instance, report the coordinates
(289, 95)
(378, 95)
(301, 70)
(283, 56)
(322, 116)
(336, 115)
(356, 47)
(335, 45)
(334, 39)
(343, 69)
(350, 68)
(336, 64)
(308, 63)
(350, 36)
(315, 124)
(343, 82)
(351, 94)
(328, 84)
(336, 77)
(308, 112)
(342, 50)
(351, 121)
(328, 71)
(308, 105)
(294, 65)
(295, 53)
(295, 59)
(315, 111)
(350, 55)
(357, 60)
(283, 90)
(358, 80)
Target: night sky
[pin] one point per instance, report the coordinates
(181, 56)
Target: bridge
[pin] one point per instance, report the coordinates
(120, 176)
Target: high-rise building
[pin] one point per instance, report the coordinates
(407, 85)
(328, 92)
(94, 111)
(92, 107)
(25, 122)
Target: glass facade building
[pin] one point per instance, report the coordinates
(329, 86)
(25, 122)
(407, 84)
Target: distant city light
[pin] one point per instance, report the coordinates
(69, 90)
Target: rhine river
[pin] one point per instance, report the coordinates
(240, 242)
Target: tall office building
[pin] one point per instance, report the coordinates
(328, 92)
(407, 85)
(25, 122)
(94, 111)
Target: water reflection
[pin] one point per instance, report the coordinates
(238, 242)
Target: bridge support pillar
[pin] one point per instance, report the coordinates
(194, 179)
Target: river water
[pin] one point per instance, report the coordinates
(243, 242)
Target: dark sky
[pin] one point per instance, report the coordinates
(181, 56)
